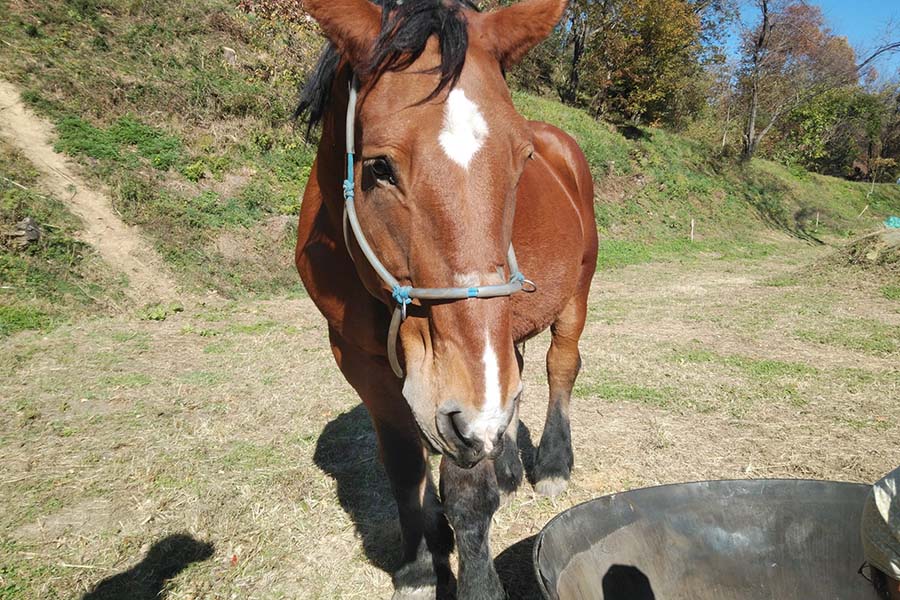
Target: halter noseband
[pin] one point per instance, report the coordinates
(404, 295)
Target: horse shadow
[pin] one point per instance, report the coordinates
(625, 582)
(146, 580)
(516, 572)
(347, 451)
(527, 451)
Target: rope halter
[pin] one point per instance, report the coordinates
(403, 295)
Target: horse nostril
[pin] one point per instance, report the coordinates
(458, 430)
(453, 428)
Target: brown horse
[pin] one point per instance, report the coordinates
(448, 176)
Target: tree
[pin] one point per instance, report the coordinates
(787, 57)
(836, 132)
(638, 60)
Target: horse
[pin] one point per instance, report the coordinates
(439, 231)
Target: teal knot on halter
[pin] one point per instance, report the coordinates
(517, 277)
(400, 293)
(348, 183)
(348, 190)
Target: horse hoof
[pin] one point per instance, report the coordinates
(428, 592)
(550, 487)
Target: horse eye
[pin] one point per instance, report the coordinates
(382, 171)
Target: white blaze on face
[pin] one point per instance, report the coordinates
(464, 129)
(491, 418)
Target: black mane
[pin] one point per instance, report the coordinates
(405, 30)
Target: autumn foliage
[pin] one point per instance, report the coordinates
(794, 91)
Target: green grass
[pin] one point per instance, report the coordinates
(246, 456)
(618, 253)
(49, 281)
(257, 328)
(21, 318)
(160, 311)
(125, 141)
(862, 335)
(891, 292)
(761, 369)
(202, 154)
(617, 391)
(128, 380)
(203, 378)
(191, 147)
(20, 576)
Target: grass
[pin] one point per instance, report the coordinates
(868, 336)
(624, 392)
(128, 380)
(891, 292)
(764, 370)
(203, 156)
(46, 282)
(250, 438)
(160, 311)
(618, 253)
(193, 149)
(125, 142)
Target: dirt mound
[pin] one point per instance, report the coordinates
(879, 250)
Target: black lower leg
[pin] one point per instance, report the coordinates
(426, 537)
(508, 464)
(470, 499)
(553, 464)
(427, 543)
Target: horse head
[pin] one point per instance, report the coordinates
(440, 151)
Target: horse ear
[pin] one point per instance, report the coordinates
(512, 31)
(351, 25)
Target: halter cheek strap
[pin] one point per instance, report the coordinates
(404, 295)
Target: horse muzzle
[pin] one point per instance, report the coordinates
(470, 436)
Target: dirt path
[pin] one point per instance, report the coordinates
(119, 244)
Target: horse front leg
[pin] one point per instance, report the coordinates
(508, 464)
(471, 497)
(427, 540)
(554, 460)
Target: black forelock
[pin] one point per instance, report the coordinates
(405, 30)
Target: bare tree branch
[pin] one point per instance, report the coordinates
(886, 49)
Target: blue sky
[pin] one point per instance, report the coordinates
(865, 23)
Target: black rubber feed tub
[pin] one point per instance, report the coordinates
(714, 540)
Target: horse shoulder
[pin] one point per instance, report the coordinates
(567, 158)
(330, 277)
(554, 231)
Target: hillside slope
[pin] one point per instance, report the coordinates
(183, 111)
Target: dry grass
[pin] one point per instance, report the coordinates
(229, 423)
